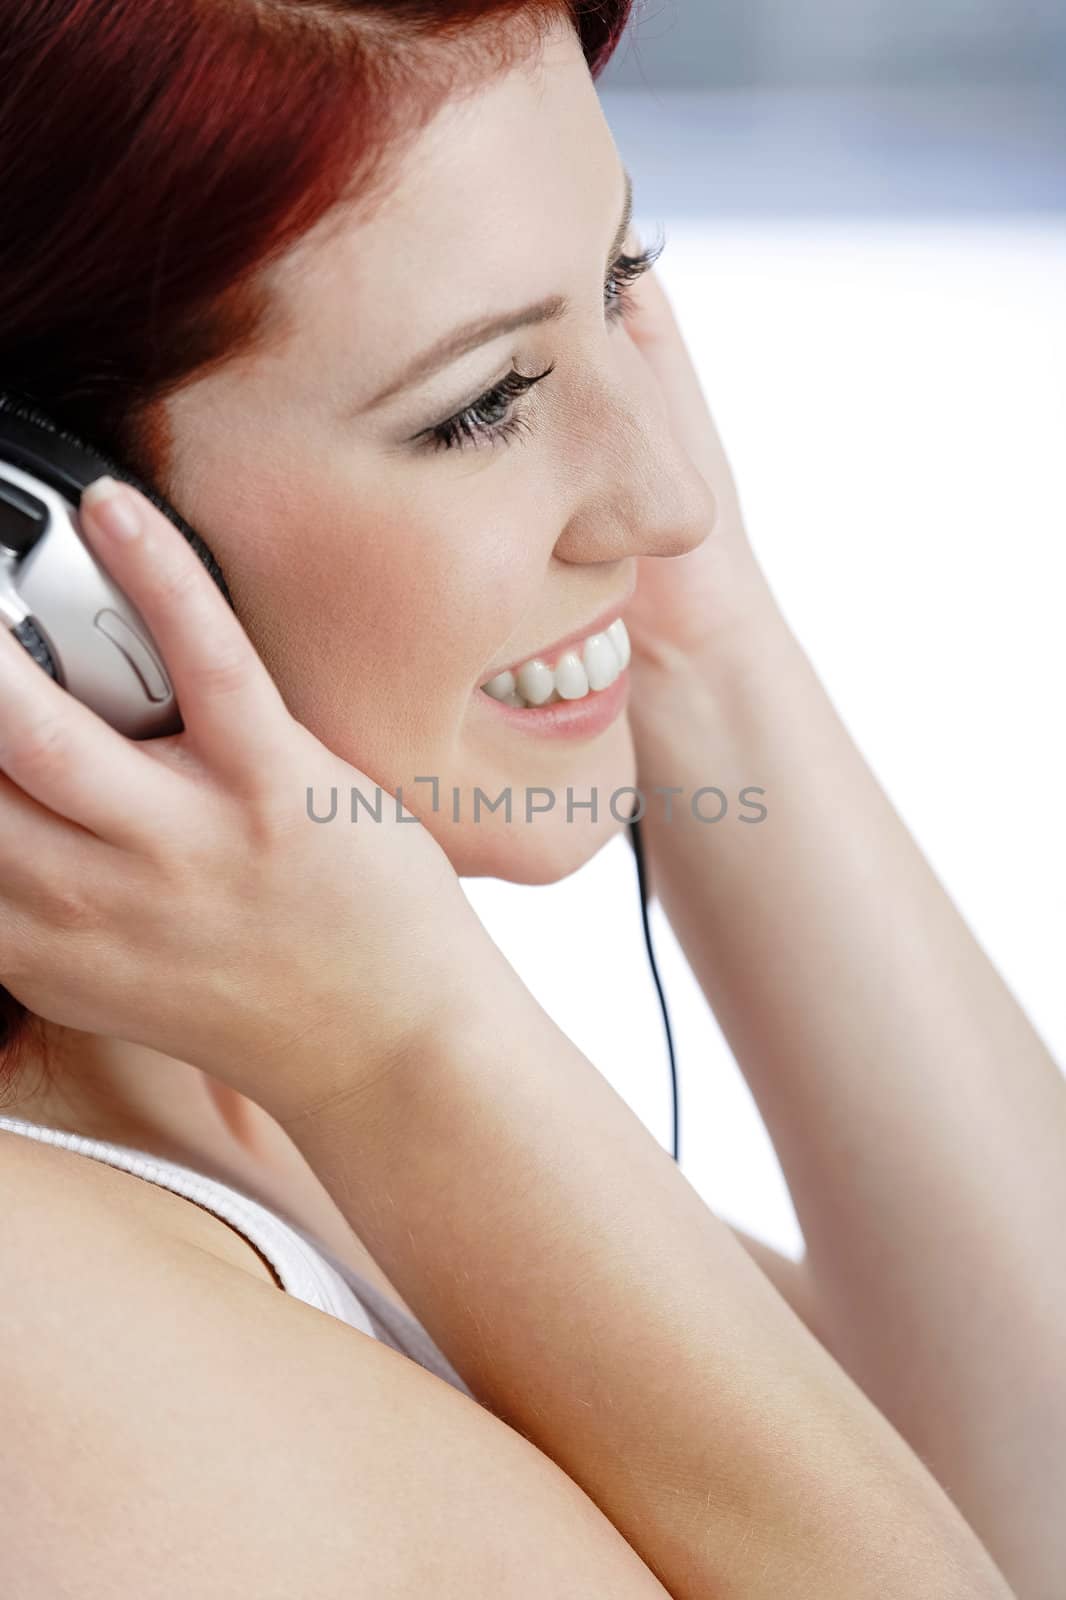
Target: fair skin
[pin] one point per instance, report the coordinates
(605, 510)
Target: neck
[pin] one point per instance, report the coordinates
(111, 1089)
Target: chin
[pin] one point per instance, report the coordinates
(549, 847)
(546, 852)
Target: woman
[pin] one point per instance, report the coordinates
(254, 235)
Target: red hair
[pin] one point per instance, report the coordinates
(156, 153)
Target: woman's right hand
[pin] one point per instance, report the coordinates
(175, 892)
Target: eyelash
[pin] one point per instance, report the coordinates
(466, 428)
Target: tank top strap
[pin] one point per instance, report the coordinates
(301, 1269)
(303, 1265)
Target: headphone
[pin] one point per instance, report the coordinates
(76, 623)
(56, 598)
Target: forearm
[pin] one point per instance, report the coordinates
(592, 1301)
(790, 1278)
(920, 1122)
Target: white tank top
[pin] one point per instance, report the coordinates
(305, 1268)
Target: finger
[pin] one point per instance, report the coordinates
(229, 703)
(67, 758)
(37, 845)
(53, 878)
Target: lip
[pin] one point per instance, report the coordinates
(551, 653)
(564, 719)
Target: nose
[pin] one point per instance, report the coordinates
(639, 493)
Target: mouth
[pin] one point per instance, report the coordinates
(575, 668)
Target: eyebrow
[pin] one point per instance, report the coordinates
(461, 340)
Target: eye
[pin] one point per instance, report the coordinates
(624, 274)
(491, 419)
(486, 419)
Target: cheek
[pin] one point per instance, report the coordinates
(377, 626)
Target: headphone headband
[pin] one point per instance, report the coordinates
(32, 440)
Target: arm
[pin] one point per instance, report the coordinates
(790, 1278)
(590, 1299)
(919, 1120)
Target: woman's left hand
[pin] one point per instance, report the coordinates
(686, 604)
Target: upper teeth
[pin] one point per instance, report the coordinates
(594, 665)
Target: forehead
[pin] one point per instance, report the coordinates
(482, 210)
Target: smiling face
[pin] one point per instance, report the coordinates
(386, 566)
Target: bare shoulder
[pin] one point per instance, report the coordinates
(175, 1425)
(45, 1184)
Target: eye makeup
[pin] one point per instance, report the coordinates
(471, 427)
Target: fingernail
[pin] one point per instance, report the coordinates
(113, 508)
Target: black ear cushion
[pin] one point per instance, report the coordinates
(31, 440)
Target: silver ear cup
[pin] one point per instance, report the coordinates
(71, 616)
